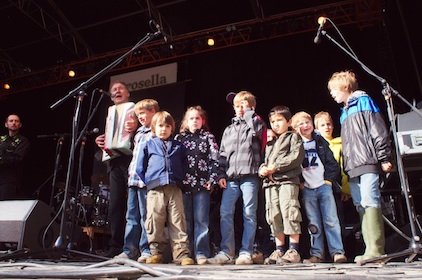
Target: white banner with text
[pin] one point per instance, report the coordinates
(148, 78)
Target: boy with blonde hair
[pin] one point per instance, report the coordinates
(320, 172)
(162, 165)
(240, 158)
(366, 148)
(136, 240)
(324, 125)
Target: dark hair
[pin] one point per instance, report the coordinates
(282, 110)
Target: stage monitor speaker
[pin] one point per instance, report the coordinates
(25, 222)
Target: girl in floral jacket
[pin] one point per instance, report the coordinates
(202, 154)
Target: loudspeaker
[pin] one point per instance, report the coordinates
(26, 222)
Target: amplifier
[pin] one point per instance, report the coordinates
(410, 142)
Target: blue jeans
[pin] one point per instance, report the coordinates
(247, 187)
(321, 210)
(136, 240)
(197, 212)
(365, 191)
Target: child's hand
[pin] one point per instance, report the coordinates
(344, 196)
(263, 171)
(386, 166)
(222, 183)
(131, 124)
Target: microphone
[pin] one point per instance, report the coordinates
(162, 32)
(93, 131)
(111, 95)
(321, 22)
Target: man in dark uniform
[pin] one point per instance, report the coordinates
(13, 149)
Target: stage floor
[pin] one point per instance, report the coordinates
(128, 269)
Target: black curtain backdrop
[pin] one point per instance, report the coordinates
(291, 71)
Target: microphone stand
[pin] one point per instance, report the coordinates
(415, 246)
(79, 92)
(56, 168)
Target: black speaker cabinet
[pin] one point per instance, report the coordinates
(25, 222)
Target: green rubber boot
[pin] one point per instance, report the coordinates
(373, 234)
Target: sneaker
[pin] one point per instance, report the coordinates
(258, 258)
(220, 258)
(244, 259)
(143, 258)
(313, 259)
(154, 259)
(291, 256)
(340, 258)
(187, 261)
(201, 260)
(121, 256)
(272, 259)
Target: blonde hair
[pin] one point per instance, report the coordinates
(202, 113)
(162, 117)
(298, 116)
(343, 79)
(321, 115)
(147, 104)
(245, 96)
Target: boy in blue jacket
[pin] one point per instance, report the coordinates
(366, 154)
(162, 165)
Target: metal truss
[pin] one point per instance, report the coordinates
(362, 13)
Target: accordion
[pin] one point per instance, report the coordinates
(117, 140)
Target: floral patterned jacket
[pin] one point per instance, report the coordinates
(202, 153)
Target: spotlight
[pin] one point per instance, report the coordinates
(6, 86)
(210, 42)
(71, 73)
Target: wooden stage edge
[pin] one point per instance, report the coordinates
(129, 269)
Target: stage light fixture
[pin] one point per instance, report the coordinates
(71, 73)
(210, 42)
(6, 86)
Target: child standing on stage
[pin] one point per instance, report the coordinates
(324, 125)
(320, 172)
(366, 151)
(136, 241)
(281, 170)
(202, 152)
(240, 158)
(162, 165)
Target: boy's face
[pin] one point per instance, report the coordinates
(325, 127)
(145, 116)
(340, 95)
(239, 107)
(305, 128)
(163, 130)
(279, 124)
